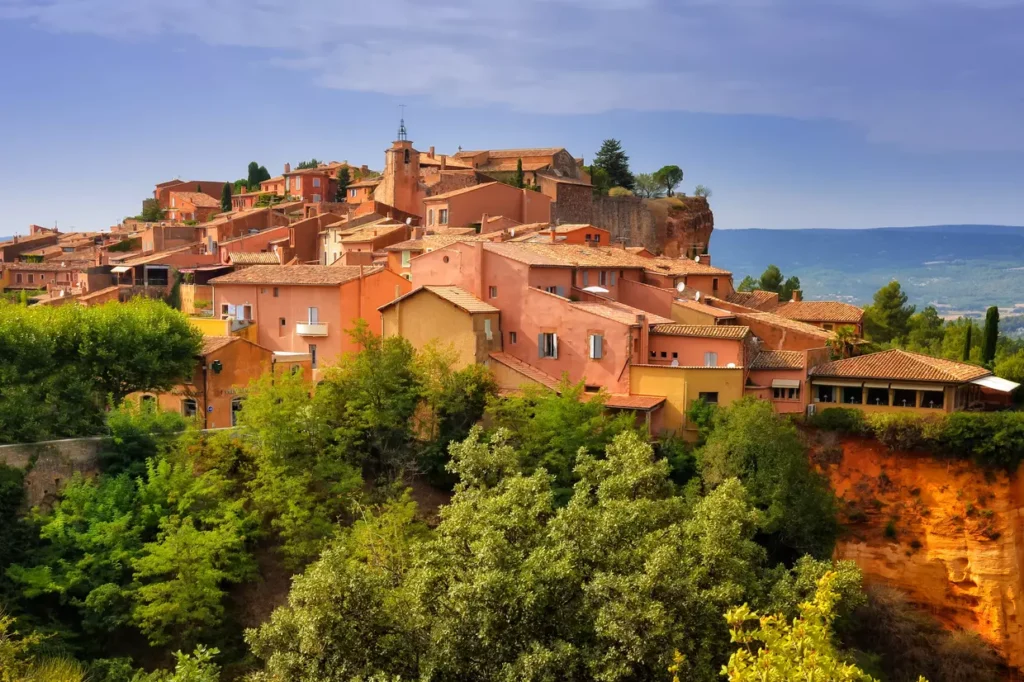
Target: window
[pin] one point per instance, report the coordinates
(277, 292)
(596, 346)
(904, 398)
(174, 201)
(825, 394)
(827, 327)
(316, 199)
(714, 284)
(664, 354)
(312, 355)
(586, 278)
(547, 345)
(31, 278)
(298, 184)
(236, 407)
(710, 397)
(189, 408)
(406, 257)
(148, 401)
(878, 396)
(313, 315)
(407, 156)
(247, 313)
(407, 277)
(17, 278)
(316, 183)
(352, 193)
(597, 238)
(586, 237)
(932, 399)
(853, 395)
(492, 292)
(442, 216)
(512, 338)
(488, 334)
(710, 359)
(225, 311)
(612, 280)
(430, 216)
(786, 393)
(602, 278)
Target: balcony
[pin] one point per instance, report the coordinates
(311, 329)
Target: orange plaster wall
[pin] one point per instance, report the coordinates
(691, 350)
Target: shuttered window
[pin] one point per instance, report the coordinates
(547, 345)
(596, 346)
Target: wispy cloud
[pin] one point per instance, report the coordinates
(930, 74)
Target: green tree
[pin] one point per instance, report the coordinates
(312, 163)
(668, 178)
(888, 317)
(615, 163)
(645, 185)
(749, 441)
(842, 343)
(747, 284)
(240, 186)
(774, 650)
(1011, 368)
(517, 178)
(344, 180)
(599, 180)
(926, 332)
(788, 288)
(151, 211)
(138, 430)
(255, 177)
(702, 191)
(619, 192)
(988, 345)
(23, 298)
(140, 345)
(225, 198)
(771, 279)
(966, 352)
(195, 667)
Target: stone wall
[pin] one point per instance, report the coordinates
(628, 219)
(676, 226)
(51, 463)
(573, 204)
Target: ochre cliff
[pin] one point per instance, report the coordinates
(945, 531)
(682, 225)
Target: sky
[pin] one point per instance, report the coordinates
(796, 113)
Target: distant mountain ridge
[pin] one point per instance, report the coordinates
(958, 268)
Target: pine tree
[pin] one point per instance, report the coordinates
(988, 345)
(967, 342)
(254, 177)
(343, 182)
(225, 198)
(615, 163)
(517, 179)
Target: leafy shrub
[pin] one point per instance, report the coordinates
(901, 430)
(842, 419)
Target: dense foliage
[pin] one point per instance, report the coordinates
(60, 366)
(772, 280)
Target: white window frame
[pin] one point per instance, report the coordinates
(596, 343)
(488, 332)
(492, 292)
(442, 216)
(316, 183)
(406, 258)
(313, 315)
(546, 350)
(710, 359)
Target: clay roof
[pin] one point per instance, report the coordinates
(369, 182)
(786, 323)
(565, 229)
(565, 255)
(371, 232)
(778, 359)
(303, 275)
(757, 299)
(513, 153)
(454, 295)
(711, 310)
(215, 343)
(527, 370)
(703, 331)
(49, 266)
(96, 294)
(633, 402)
(198, 199)
(898, 364)
(505, 165)
(258, 258)
(562, 179)
(820, 311)
(438, 241)
(464, 190)
(619, 312)
(154, 257)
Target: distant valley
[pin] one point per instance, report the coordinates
(961, 269)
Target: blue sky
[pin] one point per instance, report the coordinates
(797, 113)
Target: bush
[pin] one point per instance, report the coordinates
(901, 430)
(619, 192)
(842, 419)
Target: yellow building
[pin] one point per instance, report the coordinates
(680, 386)
(211, 326)
(447, 314)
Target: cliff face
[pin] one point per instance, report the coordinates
(683, 225)
(945, 532)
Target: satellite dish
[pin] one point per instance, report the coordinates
(731, 365)
(596, 290)
(696, 259)
(408, 221)
(696, 296)
(681, 287)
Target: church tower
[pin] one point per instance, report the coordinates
(400, 183)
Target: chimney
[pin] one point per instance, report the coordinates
(418, 232)
(797, 295)
(554, 235)
(287, 168)
(645, 339)
(483, 223)
(622, 245)
(444, 162)
(431, 153)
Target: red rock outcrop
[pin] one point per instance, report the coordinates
(944, 531)
(683, 225)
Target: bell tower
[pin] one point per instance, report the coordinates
(400, 183)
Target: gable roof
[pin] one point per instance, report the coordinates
(512, 153)
(254, 258)
(303, 275)
(215, 343)
(778, 359)
(617, 312)
(578, 255)
(899, 364)
(757, 299)
(526, 370)
(706, 309)
(820, 311)
(197, 199)
(371, 232)
(703, 331)
(454, 295)
(786, 323)
(466, 190)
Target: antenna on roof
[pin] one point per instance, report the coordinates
(697, 296)
(402, 132)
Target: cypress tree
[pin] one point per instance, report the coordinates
(343, 183)
(988, 346)
(517, 179)
(967, 342)
(225, 198)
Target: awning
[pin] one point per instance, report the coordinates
(996, 384)
(785, 383)
(837, 382)
(121, 268)
(918, 387)
(877, 384)
(595, 290)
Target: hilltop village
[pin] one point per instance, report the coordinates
(506, 254)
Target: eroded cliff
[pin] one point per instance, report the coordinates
(945, 531)
(683, 225)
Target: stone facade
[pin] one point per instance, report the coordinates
(50, 464)
(573, 204)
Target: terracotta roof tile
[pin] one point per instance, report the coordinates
(49, 266)
(371, 232)
(215, 343)
(711, 310)
(619, 312)
(527, 370)
(778, 359)
(512, 153)
(304, 275)
(633, 402)
(757, 299)
(464, 190)
(197, 199)
(786, 323)
(898, 364)
(820, 311)
(258, 258)
(704, 331)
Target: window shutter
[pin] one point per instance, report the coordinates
(598, 346)
(540, 345)
(554, 346)
(560, 291)
(613, 278)
(586, 278)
